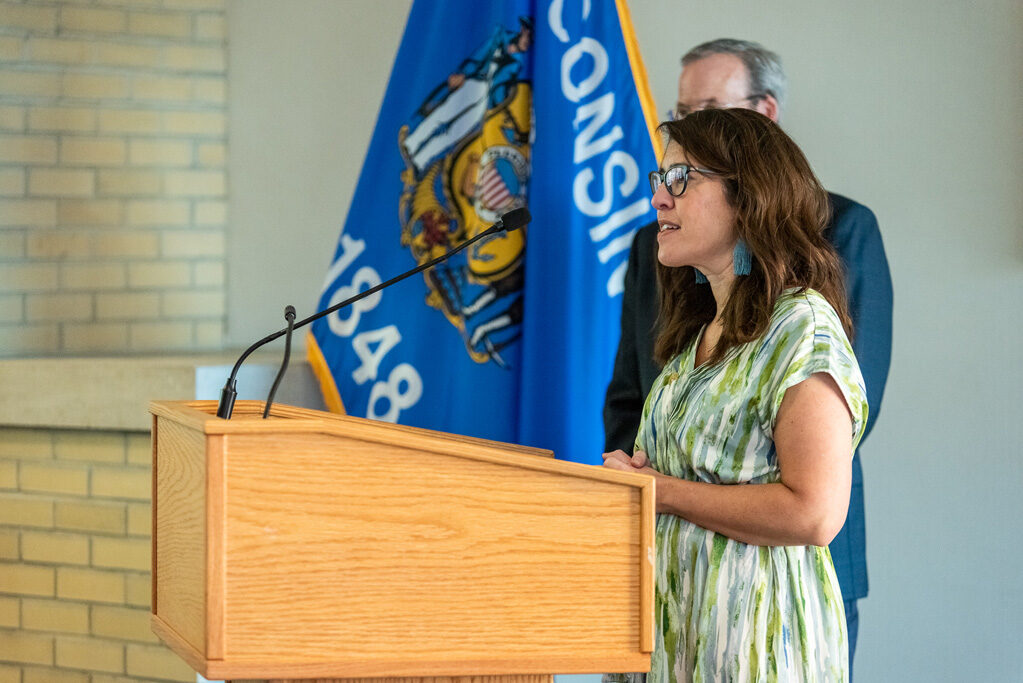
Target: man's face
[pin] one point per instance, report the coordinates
(719, 81)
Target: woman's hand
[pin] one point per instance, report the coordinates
(637, 463)
(620, 460)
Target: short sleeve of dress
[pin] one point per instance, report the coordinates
(806, 337)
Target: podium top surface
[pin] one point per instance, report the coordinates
(201, 417)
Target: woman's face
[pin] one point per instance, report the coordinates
(698, 228)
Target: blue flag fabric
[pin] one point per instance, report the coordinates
(490, 107)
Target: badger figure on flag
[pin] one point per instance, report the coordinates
(467, 157)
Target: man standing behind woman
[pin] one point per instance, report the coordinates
(729, 73)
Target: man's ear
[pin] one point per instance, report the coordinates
(768, 106)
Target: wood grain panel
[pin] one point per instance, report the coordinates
(647, 571)
(584, 663)
(526, 678)
(384, 553)
(181, 647)
(180, 539)
(248, 418)
(216, 491)
(153, 440)
(313, 545)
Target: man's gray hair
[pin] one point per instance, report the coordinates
(766, 74)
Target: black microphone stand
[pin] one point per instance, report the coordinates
(289, 315)
(229, 393)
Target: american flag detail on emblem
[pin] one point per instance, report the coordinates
(495, 192)
(490, 107)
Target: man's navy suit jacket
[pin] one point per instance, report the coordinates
(855, 235)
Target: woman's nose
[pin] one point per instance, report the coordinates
(662, 199)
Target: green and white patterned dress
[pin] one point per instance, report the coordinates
(726, 610)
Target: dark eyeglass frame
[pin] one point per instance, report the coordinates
(658, 178)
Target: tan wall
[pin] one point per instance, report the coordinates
(112, 176)
(74, 559)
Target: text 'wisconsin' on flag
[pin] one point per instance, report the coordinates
(490, 107)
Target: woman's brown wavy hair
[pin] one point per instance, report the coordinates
(781, 212)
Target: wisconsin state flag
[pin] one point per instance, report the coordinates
(491, 107)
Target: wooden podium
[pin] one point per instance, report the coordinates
(313, 545)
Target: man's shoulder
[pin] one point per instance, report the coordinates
(853, 230)
(644, 248)
(845, 211)
(647, 234)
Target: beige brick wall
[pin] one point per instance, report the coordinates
(113, 145)
(75, 559)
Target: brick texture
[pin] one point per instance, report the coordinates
(27, 648)
(9, 613)
(75, 546)
(55, 616)
(113, 175)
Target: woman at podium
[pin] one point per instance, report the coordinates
(751, 427)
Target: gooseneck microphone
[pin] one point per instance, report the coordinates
(509, 222)
(289, 316)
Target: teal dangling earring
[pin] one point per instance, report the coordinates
(701, 279)
(742, 259)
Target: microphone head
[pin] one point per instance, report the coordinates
(515, 219)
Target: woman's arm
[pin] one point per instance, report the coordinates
(813, 438)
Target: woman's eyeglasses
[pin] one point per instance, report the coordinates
(675, 178)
